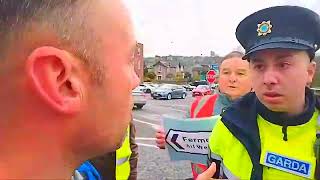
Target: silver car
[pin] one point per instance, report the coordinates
(169, 91)
(139, 97)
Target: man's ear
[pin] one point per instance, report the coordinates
(51, 73)
(311, 71)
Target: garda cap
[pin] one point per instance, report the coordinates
(287, 27)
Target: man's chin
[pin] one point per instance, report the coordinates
(118, 146)
(115, 147)
(120, 142)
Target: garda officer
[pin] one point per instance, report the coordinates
(272, 132)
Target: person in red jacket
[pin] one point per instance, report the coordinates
(234, 81)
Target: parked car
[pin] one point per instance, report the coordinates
(189, 87)
(201, 90)
(197, 83)
(139, 97)
(148, 88)
(169, 91)
(214, 87)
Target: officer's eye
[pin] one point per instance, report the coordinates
(284, 65)
(258, 67)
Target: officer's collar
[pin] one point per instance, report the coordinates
(283, 119)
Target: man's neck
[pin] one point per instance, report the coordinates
(33, 157)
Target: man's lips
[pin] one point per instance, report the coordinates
(272, 94)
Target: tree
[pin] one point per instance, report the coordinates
(179, 77)
(188, 76)
(145, 70)
(196, 77)
(151, 75)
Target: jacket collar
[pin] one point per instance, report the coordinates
(224, 99)
(283, 119)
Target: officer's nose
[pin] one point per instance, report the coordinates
(270, 77)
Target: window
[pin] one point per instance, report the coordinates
(159, 78)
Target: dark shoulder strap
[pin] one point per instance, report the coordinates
(105, 165)
(241, 120)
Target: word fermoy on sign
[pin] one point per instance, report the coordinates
(193, 142)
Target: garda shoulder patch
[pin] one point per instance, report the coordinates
(290, 165)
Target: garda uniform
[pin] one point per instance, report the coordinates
(252, 142)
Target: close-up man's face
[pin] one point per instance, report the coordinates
(280, 77)
(110, 99)
(234, 78)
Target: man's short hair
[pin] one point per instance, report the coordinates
(233, 54)
(67, 19)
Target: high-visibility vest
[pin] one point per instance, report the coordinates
(202, 107)
(122, 159)
(292, 159)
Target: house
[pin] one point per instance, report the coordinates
(164, 70)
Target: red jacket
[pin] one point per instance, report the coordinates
(202, 107)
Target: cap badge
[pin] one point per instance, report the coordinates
(264, 28)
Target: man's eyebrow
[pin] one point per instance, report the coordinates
(242, 70)
(225, 69)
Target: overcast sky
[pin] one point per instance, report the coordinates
(195, 27)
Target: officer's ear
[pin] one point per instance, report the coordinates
(311, 71)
